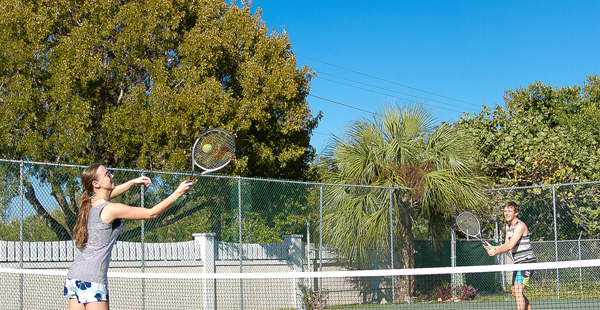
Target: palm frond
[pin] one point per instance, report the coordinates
(398, 148)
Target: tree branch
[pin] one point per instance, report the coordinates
(126, 235)
(58, 229)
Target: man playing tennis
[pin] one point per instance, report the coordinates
(518, 243)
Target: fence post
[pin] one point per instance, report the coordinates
(501, 258)
(308, 256)
(320, 229)
(294, 245)
(241, 244)
(556, 241)
(205, 245)
(391, 215)
(579, 258)
(142, 243)
(453, 277)
(21, 219)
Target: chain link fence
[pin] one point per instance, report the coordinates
(38, 203)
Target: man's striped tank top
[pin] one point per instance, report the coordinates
(522, 252)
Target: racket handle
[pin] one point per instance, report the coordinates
(189, 181)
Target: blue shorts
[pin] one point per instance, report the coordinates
(522, 277)
(85, 292)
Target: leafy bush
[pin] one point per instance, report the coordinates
(314, 299)
(444, 292)
(464, 292)
(418, 296)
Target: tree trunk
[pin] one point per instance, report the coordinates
(405, 255)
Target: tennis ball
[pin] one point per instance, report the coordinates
(207, 148)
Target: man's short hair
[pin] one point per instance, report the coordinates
(512, 204)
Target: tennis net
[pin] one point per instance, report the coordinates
(554, 285)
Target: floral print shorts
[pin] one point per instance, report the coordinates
(85, 292)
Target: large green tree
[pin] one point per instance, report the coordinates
(542, 135)
(545, 135)
(431, 169)
(132, 83)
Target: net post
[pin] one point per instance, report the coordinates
(205, 246)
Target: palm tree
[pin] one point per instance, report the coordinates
(422, 171)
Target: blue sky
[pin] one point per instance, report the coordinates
(452, 56)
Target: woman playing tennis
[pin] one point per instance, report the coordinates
(98, 225)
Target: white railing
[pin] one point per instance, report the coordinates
(65, 251)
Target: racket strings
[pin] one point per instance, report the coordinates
(214, 150)
(468, 224)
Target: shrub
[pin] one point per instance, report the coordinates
(314, 299)
(442, 292)
(463, 292)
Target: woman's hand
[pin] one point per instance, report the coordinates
(119, 189)
(183, 188)
(142, 181)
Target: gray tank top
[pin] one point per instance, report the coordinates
(91, 263)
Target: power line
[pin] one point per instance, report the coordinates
(387, 81)
(382, 88)
(343, 104)
(389, 94)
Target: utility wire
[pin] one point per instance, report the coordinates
(382, 88)
(370, 90)
(387, 81)
(343, 104)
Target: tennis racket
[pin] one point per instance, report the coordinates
(469, 225)
(212, 151)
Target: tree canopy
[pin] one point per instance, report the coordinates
(543, 135)
(132, 83)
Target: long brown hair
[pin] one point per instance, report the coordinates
(80, 232)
